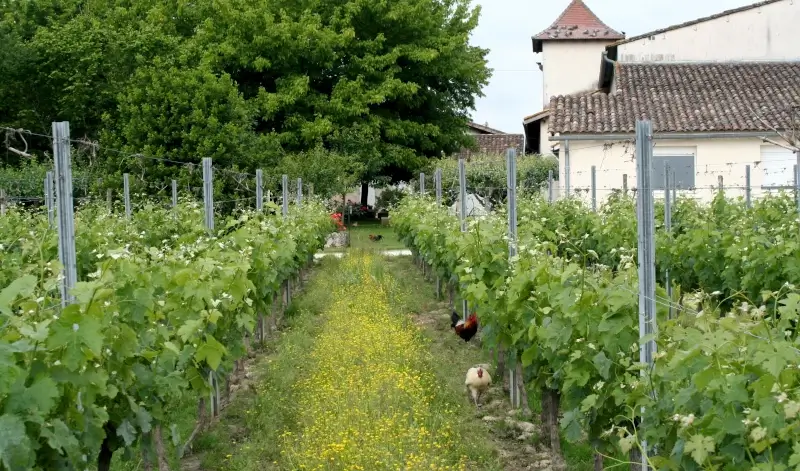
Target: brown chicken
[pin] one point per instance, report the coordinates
(465, 330)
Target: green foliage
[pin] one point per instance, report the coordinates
(725, 390)
(486, 175)
(162, 306)
(27, 179)
(387, 83)
(389, 198)
(330, 173)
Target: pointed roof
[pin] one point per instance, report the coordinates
(576, 22)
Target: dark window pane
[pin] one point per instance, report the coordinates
(681, 167)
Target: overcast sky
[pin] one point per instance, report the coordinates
(506, 27)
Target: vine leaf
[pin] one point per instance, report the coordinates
(39, 398)
(603, 364)
(127, 431)
(72, 331)
(571, 425)
(60, 437)
(211, 351)
(700, 446)
(22, 286)
(15, 446)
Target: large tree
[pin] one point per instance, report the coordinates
(388, 83)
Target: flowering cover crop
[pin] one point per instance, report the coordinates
(369, 400)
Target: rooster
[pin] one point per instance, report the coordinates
(375, 238)
(477, 382)
(465, 330)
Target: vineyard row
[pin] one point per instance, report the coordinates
(724, 392)
(164, 309)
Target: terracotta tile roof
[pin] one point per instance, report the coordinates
(696, 21)
(687, 97)
(494, 144)
(536, 116)
(576, 22)
(483, 128)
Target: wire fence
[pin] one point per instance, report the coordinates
(594, 185)
(144, 185)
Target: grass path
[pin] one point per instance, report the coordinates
(353, 388)
(359, 238)
(367, 366)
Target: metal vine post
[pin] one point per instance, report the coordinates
(645, 213)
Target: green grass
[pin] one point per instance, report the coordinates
(359, 238)
(434, 316)
(247, 437)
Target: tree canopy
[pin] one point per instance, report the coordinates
(273, 85)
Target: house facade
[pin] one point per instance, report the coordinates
(763, 30)
(569, 49)
(709, 121)
(716, 89)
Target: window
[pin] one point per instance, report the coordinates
(681, 167)
(777, 165)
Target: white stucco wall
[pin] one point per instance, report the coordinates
(713, 158)
(766, 33)
(570, 67)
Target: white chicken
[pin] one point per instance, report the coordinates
(477, 382)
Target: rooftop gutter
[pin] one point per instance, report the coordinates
(607, 69)
(666, 135)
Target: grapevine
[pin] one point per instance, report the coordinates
(725, 390)
(164, 305)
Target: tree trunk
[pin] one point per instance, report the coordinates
(364, 193)
(636, 459)
(501, 366)
(598, 461)
(451, 294)
(552, 422)
(198, 427)
(163, 463)
(523, 391)
(147, 455)
(545, 397)
(106, 453)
